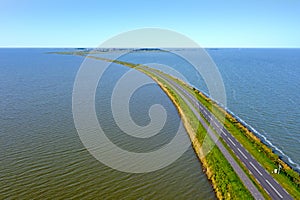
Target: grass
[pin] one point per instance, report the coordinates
(288, 178)
(226, 183)
(201, 137)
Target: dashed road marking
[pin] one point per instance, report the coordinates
(274, 189)
(224, 133)
(255, 168)
(242, 153)
(213, 118)
(267, 192)
(231, 141)
(259, 183)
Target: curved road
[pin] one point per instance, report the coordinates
(270, 185)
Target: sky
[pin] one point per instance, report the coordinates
(211, 23)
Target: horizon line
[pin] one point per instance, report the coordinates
(208, 47)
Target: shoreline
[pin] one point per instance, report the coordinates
(285, 158)
(256, 133)
(207, 163)
(286, 169)
(264, 155)
(194, 141)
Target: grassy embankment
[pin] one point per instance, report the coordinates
(252, 178)
(288, 178)
(225, 181)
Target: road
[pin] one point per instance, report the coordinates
(270, 185)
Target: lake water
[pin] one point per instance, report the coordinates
(262, 88)
(42, 156)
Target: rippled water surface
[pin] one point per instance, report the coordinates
(262, 87)
(42, 157)
(41, 154)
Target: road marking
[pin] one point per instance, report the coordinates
(255, 168)
(258, 181)
(242, 153)
(231, 141)
(274, 188)
(224, 133)
(267, 191)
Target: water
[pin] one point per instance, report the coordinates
(262, 88)
(41, 155)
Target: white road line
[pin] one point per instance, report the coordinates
(212, 118)
(258, 181)
(267, 192)
(231, 141)
(255, 168)
(274, 188)
(242, 153)
(224, 133)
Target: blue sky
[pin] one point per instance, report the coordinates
(211, 23)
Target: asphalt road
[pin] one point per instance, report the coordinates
(270, 185)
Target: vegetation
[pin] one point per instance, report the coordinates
(287, 177)
(84, 51)
(226, 183)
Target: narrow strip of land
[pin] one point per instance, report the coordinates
(237, 155)
(244, 178)
(270, 185)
